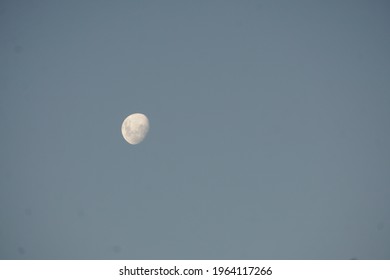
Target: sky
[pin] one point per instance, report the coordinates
(269, 129)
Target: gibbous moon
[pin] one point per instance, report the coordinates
(134, 128)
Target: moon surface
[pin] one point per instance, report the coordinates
(134, 128)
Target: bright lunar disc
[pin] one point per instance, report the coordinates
(134, 128)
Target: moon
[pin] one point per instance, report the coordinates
(134, 128)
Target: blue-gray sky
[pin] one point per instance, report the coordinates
(269, 136)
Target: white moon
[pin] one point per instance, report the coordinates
(134, 128)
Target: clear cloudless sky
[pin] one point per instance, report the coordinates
(269, 138)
